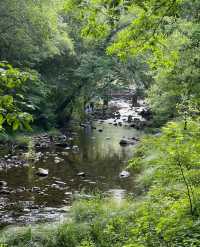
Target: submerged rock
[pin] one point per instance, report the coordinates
(68, 193)
(58, 160)
(135, 138)
(81, 174)
(125, 142)
(3, 183)
(65, 153)
(138, 123)
(63, 137)
(124, 174)
(60, 182)
(42, 172)
(55, 186)
(19, 190)
(75, 148)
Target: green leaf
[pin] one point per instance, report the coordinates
(16, 124)
(7, 100)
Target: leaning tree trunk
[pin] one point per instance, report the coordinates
(66, 103)
(134, 100)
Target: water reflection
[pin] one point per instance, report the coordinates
(118, 195)
(100, 158)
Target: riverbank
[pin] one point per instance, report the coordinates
(160, 216)
(156, 204)
(166, 213)
(43, 174)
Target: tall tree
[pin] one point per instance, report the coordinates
(31, 31)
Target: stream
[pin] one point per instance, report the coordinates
(91, 164)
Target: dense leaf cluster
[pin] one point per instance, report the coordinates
(11, 83)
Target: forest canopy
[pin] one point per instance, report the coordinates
(153, 45)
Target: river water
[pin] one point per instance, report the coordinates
(100, 158)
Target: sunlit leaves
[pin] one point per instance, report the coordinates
(177, 157)
(11, 116)
(94, 30)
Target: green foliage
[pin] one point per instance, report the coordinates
(32, 31)
(163, 34)
(11, 84)
(174, 160)
(146, 223)
(179, 85)
(136, 26)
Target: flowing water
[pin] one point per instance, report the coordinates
(99, 161)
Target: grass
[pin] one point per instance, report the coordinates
(92, 223)
(104, 223)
